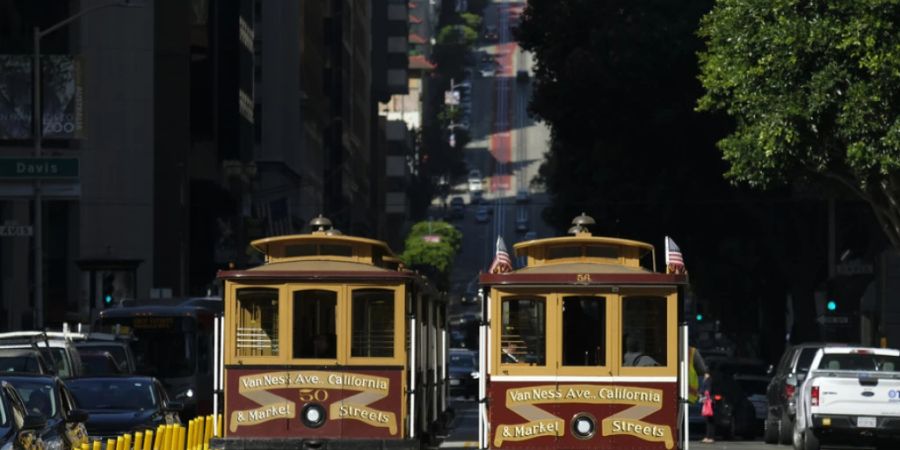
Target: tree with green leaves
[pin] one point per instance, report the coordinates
(430, 248)
(813, 87)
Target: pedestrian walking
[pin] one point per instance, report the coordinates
(707, 411)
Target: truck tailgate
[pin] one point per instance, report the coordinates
(863, 394)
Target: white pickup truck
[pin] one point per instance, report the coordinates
(851, 397)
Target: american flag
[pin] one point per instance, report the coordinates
(502, 263)
(674, 259)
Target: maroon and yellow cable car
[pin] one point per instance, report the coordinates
(580, 348)
(331, 343)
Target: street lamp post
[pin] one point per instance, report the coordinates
(38, 132)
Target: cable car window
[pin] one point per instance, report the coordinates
(314, 324)
(602, 251)
(644, 331)
(524, 333)
(257, 322)
(560, 252)
(584, 331)
(300, 250)
(373, 323)
(336, 250)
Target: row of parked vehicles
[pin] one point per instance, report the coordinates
(835, 394)
(152, 366)
(59, 390)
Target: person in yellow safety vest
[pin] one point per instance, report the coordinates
(695, 369)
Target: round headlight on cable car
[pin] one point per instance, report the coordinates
(313, 415)
(584, 426)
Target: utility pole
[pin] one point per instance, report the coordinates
(37, 127)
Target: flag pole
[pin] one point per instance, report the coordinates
(666, 245)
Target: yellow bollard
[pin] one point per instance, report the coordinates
(208, 434)
(85, 446)
(148, 441)
(127, 444)
(160, 437)
(120, 443)
(182, 435)
(110, 444)
(98, 445)
(191, 433)
(138, 440)
(201, 432)
(167, 443)
(220, 425)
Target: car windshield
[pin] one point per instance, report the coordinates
(38, 396)
(462, 361)
(100, 394)
(858, 361)
(116, 351)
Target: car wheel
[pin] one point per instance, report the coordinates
(770, 435)
(786, 430)
(810, 441)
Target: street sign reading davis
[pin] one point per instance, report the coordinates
(42, 168)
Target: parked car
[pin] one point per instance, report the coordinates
(851, 397)
(481, 215)
(522, 196)
(475, 181)
(488, 70)
(790, 371)
(490, 33)
(522, 76)
(99, 363)
(19, 430)
(123, 404)
(463, 372)
(116, 346)
(57, 348)
(734, 413)
(522, 220)
(24, 360)
(754, 389)
(457, 207)
(48, 396)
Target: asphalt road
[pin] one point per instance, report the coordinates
(507, 147)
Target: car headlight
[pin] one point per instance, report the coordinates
(185, 394)
(475, 375)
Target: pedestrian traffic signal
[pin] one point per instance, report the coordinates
(108, 289)
(831, 305)
(699, 317)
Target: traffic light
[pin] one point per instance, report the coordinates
(108, 290)
(831, 305)
(699, 317)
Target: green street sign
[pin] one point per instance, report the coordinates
(39, 168)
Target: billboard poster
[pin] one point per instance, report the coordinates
(62, 93)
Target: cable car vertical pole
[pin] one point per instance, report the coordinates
(412, 369)
(216, 349)
(683, 384)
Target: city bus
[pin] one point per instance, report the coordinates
(331, 343)
(581, 347)
(172, 342)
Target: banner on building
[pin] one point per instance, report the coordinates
(62, 97)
